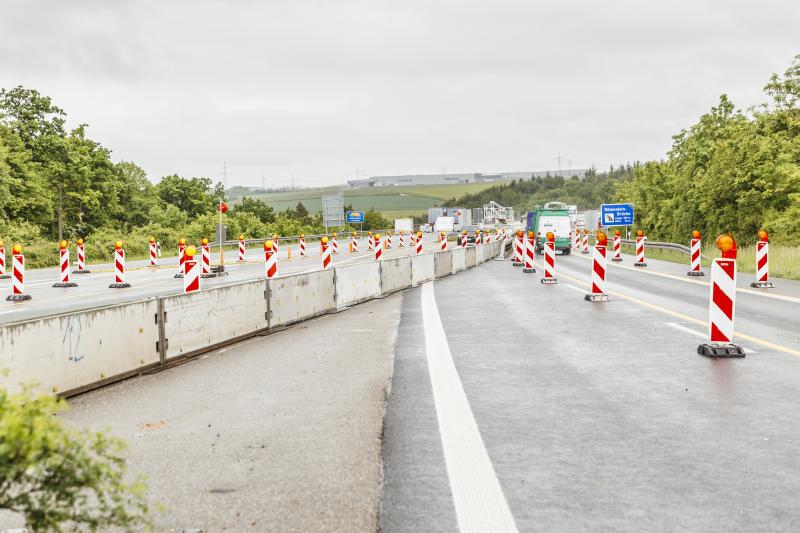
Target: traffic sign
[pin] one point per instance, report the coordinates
(355, 217)
(616, 215)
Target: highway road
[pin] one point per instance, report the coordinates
(93, 290)
(484, 401)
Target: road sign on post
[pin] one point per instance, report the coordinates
(616, 215)
(355, 217)
(333, 210)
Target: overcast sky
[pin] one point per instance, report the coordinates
(316, 90)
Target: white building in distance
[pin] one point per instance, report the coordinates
(448, 179)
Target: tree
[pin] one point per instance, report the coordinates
(190, 195)
(58, 477)
(373, 220)
(301, 211)
(258, 207)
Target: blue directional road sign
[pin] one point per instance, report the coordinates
(355, 217)
(616, 215)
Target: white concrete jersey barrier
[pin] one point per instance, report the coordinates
(357, 283)
(200, 320)
(395, 274)
(443, 264)
(459, 259)
(299, 297)
(470, 257)
(70, 351)
(422, 269)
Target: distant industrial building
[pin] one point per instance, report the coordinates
(447, 179)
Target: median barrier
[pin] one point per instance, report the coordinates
(422, 268)
(300, 296)
(357, 283)
(202, 320)
(443, 264)
(469, 259)
(395, 274)
(69, 352)
(459, 259)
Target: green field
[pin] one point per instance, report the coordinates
(392, 201)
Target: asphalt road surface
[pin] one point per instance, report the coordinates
(483, 401)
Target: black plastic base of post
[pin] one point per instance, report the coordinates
(529, 270)
(762, 285)
(695, 273)
(119, 285)
(640, 264)
(80, 272)
(596, 298)
(616, 259)
(178, 275)
(549, 281)
(721, 351)
(5, 276)
(65, 284)
(18, 297)
(516, 264)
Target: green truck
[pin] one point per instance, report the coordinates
(554, 216)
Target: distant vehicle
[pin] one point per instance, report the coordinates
(470, 233)
(403, 224)
(446, 224)
(426, 228)
(554, 217)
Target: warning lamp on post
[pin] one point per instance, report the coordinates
(550, 236)
(182, 242)
(616, 233)
(151, 240)
(118, 245)
(695, 234)
(16, 249)
(268, 245)
(639, 233)
(223, 207)
(762, 236)
(204, 241)
(727, 245)
(62, 245)
(600, 238)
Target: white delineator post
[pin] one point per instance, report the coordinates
(598, 292)
(529, 250)
(695, 246)
(722, 303)
(326, 253)
(64, 281)
(640, 262)
(549, 262)
(617, 254)
(119, 268)
(762, 263)
(18, 276)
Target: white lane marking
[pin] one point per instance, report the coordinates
(479, 500)
(700, 334)
(574, 288)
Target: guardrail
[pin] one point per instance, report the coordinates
(662, 246)
(77, 351)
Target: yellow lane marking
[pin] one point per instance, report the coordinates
(696, 282)
(688, 318)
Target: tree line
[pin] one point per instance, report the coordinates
(732, 171)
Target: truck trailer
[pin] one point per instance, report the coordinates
(554, 217)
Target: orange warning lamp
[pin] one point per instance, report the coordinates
(442, 234)
(601, 238)
(118, 245)
(17, 249)
(302, 235)
(695, 234)
(550, 236)
(477, 231)
(727, 245)
(463, 232)
(182, 242)
(616, 233)
(80, 241)
(530, 235)
(63, 245)
(241, 237)
(190, 251)
(762, 236)
(268, 245)
(586, 231)
(152, 240)
(378, 236)
(204, 241)
(419, 234)
(369, 233)
(2, 242)
(639, 233)
(355, 234)
(334, 234)
(324, 240)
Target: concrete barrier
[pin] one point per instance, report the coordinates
(68, 352)
(357, 283)
(459, 259)
(300, 296)
(395, 274)
(469, 259)
(443, 264)
(214, 317)
(422, 268)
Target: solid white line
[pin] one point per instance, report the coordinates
(700, 334)
(573, 287)
(479, 501)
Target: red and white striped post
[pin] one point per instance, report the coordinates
(695, 246)
(722, 303)
(444, 242)
(617, 254)
(276, 240)
(463, 238)
(598, 293)
(334, 244)
(388, 240)
(762, 262)
(419, 242)
(326, 253)
(80, 250)
(18, 276)
(529, 267)
(640, 238)
(270, 259)
(3, 274)
(302, 245)
(550, 260)
(519, 248)
(152, 251)
(354, 242)
(205, 257)
(585, 241)
(487, 237)
(370, 241)
(191, 271)
(477, 237)
(243, 250)
(63, 252)
(378, 247)
(576, 239)
(119, 268)
(181, 257)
